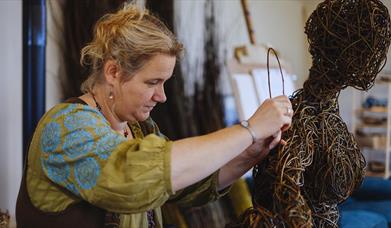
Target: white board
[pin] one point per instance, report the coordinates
(245, 95)
(276, 86)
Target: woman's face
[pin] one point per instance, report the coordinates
(135, 98)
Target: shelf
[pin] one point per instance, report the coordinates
(372, 127)
(380, 113)
(370, 130)
(371, 150)
(376, 170)
(377, 142)
(383, 79)
(374, 156)
(375, 174)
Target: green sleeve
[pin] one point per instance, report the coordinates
(80, 152)
(197, 194)
(200, 193)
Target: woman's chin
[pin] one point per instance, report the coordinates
(138, 117)
(143, 117)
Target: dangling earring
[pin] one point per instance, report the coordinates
(111, 96)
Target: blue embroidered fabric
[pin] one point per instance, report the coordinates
(59, 170)
(86, 172)
(51, 137)
(75, 145)
(78, 143)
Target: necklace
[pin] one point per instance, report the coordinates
(126, 133)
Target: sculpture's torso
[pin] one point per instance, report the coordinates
(319, 167)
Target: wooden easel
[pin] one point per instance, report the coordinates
(246, 68)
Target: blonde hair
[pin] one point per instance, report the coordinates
(131, 37)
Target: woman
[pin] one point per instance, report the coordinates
(99, 160)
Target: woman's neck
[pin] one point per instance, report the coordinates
(98, 98)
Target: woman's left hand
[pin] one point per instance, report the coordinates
(261, 148)
(245, 161)
(257, 151)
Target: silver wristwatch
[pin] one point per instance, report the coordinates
(245, 124)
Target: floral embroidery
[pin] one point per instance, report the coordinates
(86, 172)
(64, 111)
(56, 167)
(50, 137)
(79, 120)
(78, 143)
(100, 131)
(82, 135)
(106, 144)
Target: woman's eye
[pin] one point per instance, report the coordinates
(153, 82)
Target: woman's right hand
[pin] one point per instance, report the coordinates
(197, 157)
(273, 117)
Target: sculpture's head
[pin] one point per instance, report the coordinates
(349, 41)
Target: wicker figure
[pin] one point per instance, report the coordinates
(301, 184)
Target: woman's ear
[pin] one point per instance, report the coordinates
(111, 71)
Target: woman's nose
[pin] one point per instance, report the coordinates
(160, 95)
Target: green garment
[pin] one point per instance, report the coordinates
(75, 155)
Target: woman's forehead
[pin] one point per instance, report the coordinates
(158, 67)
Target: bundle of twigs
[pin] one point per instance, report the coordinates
(300, 184)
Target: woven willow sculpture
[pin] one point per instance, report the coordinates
(301, 184)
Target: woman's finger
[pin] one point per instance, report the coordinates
(276, 140)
